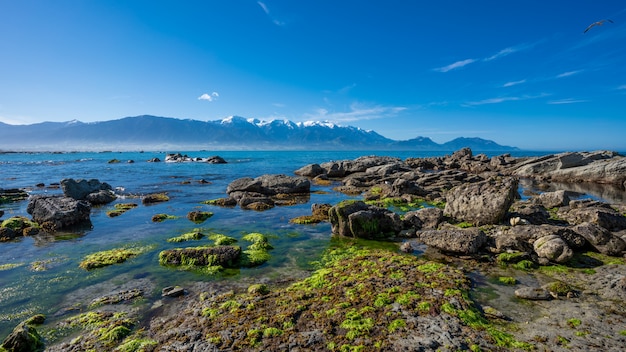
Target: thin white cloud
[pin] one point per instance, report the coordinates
(501, 53)
(568, 73)
(513, 83)
(567, 101)
(357, 112)
(504, 99)
(455, 65)
(209, 97)
(622, 87)
(267, 12)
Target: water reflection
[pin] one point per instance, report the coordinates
(609, 193)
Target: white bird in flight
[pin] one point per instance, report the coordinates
(599, 23)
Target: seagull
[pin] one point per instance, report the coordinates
(599, 23)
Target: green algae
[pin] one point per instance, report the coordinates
(120, 209)
(10, 266)
(112, 256)
(189, 236)
(222, 240)
(346, 299)
(163, 217)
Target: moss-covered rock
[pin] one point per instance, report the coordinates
(163, 217)
(358, 300)
(189, 236)
(155, 198)
(224, 256)
(110, 257)
(199, 216)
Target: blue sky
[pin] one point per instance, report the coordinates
(521, 73)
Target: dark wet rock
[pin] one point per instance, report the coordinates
(54, 213)
(154, 198)
(253, 200)
(198, 216)
(7, 234)
(481, 203)
(458, 241)
(553, 248)
(533, 293)
(225, 256)
(601, 239)
(24, 338)
(426, 218)
(406, 247)
(357, 219)
(154, 160)
(118, 297)
(172, 291)
(92, 190)
(12, 195)
(215, 160)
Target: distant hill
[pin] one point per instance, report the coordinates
(232, 133)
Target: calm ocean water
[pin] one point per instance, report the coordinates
(48, 272)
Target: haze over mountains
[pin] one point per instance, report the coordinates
(232, 133)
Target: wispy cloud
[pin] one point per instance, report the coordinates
(501, 53)
(568, 73)
(455, 65)
(499, 100)
(357, 112)
(513, 83)
(622, 87)
(267, 12)
(209, 97)
(567, 101)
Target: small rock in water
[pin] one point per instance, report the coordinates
(406, 247)
(533, 293)
(172, 291)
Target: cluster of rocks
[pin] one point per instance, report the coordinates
(52, 213)
(265, 192)
(481, 195)
(180, 158)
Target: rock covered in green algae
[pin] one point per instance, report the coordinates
(359, 300)
(360, 220)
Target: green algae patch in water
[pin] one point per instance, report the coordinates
(10, 266)
(355, 292)
(112, 256)
(189, 236)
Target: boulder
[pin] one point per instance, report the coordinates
(522, 238)
(226, 256)
(23, 338)
(357, 219)
(82, 189)
(532, 213)
(601, 239)
(481, 203)
(215, 160)
(271, 185)
(7, 234)
(311, 170)
(553, 199)
(600, 215)
(553, 248)
(55, 212)
(459, 241)
(426, 218)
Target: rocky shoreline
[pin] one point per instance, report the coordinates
(498, 270)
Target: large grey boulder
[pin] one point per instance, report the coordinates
(360, 220)
(600, 214)
(271, 185)
(553, 199)
(459, 241)
(426, 218)
(481, 203)
(23, 338)
(92, 190)
(601, 239)
(54, 212)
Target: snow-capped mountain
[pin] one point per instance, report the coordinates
(233, 132)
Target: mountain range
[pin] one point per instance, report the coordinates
(232, 133)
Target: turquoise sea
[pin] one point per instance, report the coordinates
(46, 270)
